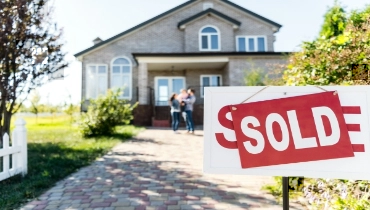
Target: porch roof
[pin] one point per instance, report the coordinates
(194, 60)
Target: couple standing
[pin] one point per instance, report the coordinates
(183, 103)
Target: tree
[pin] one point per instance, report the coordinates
(335, 21)
(327, 61)
(30, 51)
(330, 60)
(70, 108)
(35, 103)
(272, 75)
(52, 110)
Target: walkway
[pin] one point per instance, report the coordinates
(156, 170)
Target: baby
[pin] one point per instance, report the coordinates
(183, 95)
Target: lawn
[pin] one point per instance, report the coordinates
(55, 150)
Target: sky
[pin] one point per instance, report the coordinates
(84, 20)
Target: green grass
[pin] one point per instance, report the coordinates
(55, 150)
(277, 191)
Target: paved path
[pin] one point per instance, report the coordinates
(156, 170)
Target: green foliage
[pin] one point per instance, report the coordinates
(328, 61)
(335, 21)
(70, 110)
(359, 17)
(254, 77)
(55, 150)
(338, 194)
(296, 185)
(105, 113)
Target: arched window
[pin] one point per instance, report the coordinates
(209, 39)
(121, 76)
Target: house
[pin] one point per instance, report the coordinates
(196, 44)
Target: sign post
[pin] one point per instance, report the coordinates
(288, 131)
(285, 193)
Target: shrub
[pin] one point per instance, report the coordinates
(338, 194)
(105, 113)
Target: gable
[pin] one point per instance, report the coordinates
(191, 13)
(209, 12)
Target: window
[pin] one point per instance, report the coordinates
(251, 43)
(207, 5)
(121, 76)
(209, 39)
(96, 80)
(209, 81)
(165, 86)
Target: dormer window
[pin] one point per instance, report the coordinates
(209, 39)
(251, 44)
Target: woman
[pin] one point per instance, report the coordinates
(175, 112)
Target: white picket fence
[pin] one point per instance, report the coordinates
(18, 152)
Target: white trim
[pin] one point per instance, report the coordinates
(182, 27)
(209, 38)
(156, 94)
(187, 59)
(111, 74)
(247, 43)
(208, 75)
(94, 82)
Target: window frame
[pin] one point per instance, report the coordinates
(170, 86)
(95, 83)
(201, 82)
(255, 37)
(200, 34)
(122, 74)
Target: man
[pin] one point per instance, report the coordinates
(189, 111)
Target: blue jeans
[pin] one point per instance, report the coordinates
(189, 120)
(175, 120)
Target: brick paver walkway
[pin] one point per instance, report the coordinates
(156, 170)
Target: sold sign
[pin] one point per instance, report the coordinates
(288, 131)
(291, 130)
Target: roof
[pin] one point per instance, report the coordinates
(167, 13)
(208, 54)
(199, 54)
(252, 13)
(207, 12)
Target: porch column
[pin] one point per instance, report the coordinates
(143, 83)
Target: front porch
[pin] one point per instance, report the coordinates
(161, 74)
(159, 77)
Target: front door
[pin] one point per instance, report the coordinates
(165, 86)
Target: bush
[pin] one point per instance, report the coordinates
(338, 194)
(105, 113)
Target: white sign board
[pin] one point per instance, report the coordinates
(218, 159)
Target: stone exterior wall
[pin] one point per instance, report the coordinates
(164, 36)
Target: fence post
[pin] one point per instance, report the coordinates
(6, 157)
(20, 136)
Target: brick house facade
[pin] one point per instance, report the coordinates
(196, 44)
